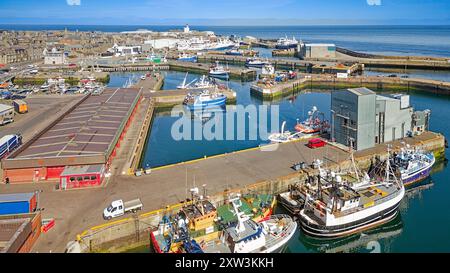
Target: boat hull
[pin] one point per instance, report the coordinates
(219, 75)
(369, 222)
(191, 59)
(291, 208)
(418, 176)
(256, 65)
(286, 46)
(209, 104)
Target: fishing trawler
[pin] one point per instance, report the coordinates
(248, 236)
(413, 165)
(259, 206)
(195, 222)
(268, 70)
(205, 99)
(292, 200)
(234, 52)
(184, 57)
(313, 124)
(255, 62)
(285, 43)
(345, 207)
(218, 71)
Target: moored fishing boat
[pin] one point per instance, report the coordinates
(218, 71)
(184, 57)
(259, 206)
(285, 43)
(205, 99)
(413, 165)
(346, 207)
(248, 236)
(256, 62)
(313, 124)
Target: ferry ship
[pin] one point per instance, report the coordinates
(218, 71)
(285, 43)
(313, 124)
(413, 165)
(347, 207)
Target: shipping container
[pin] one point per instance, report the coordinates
(20, 106)
(17, 203)
(9, 143)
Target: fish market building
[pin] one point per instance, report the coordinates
(360, 118)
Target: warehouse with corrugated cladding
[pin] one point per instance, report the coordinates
(86, 134)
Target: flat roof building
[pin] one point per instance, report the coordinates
(360, 118)
(86, 134)
(316, 50)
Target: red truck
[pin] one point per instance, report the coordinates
(316, 143)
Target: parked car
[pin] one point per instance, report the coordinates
(316, 143)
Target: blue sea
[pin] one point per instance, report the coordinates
(383, 39)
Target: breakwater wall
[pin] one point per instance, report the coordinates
(378, 84)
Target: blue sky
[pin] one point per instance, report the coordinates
(225, 12)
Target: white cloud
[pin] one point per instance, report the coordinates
(73, 2)
(374, 2)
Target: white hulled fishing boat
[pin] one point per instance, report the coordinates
(347, 207)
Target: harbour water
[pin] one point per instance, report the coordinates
(422, 225)
(387, 39)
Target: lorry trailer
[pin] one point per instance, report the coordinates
(9, 143)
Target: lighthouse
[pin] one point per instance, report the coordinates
(187, 29)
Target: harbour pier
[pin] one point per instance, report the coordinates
(330, 82)
(265, 169)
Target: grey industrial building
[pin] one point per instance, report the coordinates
(360, 118)
(307, 51)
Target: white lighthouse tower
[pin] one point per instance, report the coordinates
(187, 29)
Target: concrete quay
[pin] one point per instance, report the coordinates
(263, 169)
(330, 82)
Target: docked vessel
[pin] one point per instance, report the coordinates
(292, 200)
(285, 43)
(234, 52)
(205, 99)
(218, 71)
(255, 62)
(413, 165)
(248, 236)
(184, 57)
(314, 124)
(343, 208)
(199, 228)
(204, 82)
(268, 70)
(259, 206)
(286, 136)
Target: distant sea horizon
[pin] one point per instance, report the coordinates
(421, 40)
